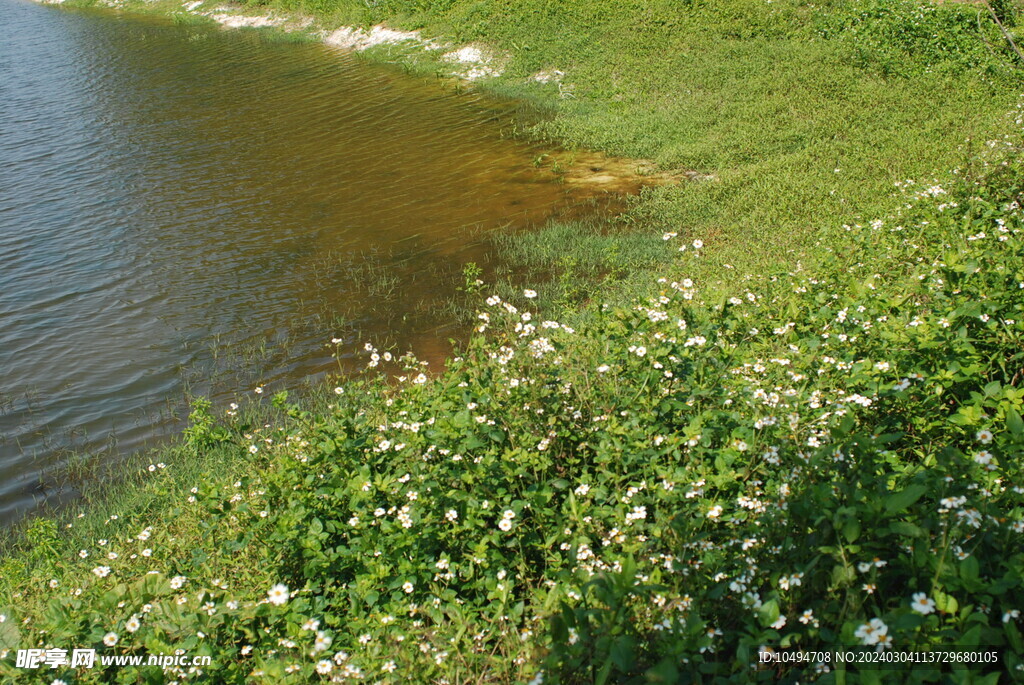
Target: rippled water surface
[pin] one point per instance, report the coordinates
(171, 192)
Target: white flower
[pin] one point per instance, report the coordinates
(177, 582)
(407, 587)
(110, 639)
(323, 667)
(780, 622)
(984, 437)
(322, 642)
(697, 244)
(530, 294)
(715, 512)
(922, 604)
(785, 582)
(389, 667)
(505, 525)
(102, 571)
(132, 624)
(339, 390)
(278, 594)
(873, 632)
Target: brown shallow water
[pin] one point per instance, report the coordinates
(176, 197)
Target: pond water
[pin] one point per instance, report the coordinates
(169, 193)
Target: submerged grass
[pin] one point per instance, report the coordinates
(798, 431)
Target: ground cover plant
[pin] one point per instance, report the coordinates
(725, 450)
(825, 457)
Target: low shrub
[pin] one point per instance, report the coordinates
(825, 458)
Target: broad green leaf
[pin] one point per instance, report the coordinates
(1014, 422)
(900, 501)
(769, 612)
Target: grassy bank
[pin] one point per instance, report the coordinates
(801, 431)
(803, 115)
(829, 458)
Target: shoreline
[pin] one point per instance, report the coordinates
(596, 174)
(797, 425)
(469, 65)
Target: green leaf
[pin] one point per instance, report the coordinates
(10, 638)
(907, 529)
(1014, 421)
(900, 501)
(842, 575)
(972, 638)
(769, 612)
(623, 653)
(1013, 636)
(664, 672)
(851, 529)
(969, 569)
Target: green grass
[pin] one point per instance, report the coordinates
(756, 95)
(849, 369)
(805, 115)
(652, 496)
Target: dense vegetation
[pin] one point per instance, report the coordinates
(802, 114)
(785, 427)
